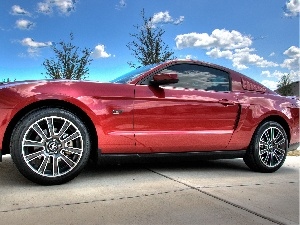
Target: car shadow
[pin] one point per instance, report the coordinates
(109, 167)
(164, 163)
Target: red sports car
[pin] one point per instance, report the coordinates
(52, 128)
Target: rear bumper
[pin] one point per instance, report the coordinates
(294, 146)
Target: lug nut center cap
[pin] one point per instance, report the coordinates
(53, 146)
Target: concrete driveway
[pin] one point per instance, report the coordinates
(155, 191)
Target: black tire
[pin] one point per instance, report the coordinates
(50, 146)
(268, 148)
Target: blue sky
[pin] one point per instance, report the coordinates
(259, 38)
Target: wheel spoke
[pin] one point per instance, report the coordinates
(67, 160)
(272, 134)
(271, 162)
(278, 157)
(39, 131)
(266, 158)
(263, 143)
(263, 151)
(277, 136)
(77, 151)
(263, 146)
(30, 143)
(34, 155)
(72, 137)
(55, 166)
(63, 128)
(50, 126)
(43, 165)
(280, 150)
(280, 142)
(267, 136)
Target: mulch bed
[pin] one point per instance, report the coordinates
(294, 153)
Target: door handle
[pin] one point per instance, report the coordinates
(226, 102)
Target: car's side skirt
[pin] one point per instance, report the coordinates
(201, 155)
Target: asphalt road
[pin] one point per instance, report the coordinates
(155, 191)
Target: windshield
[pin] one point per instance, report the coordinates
(126, 78)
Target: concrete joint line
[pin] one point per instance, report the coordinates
(94, 201)
(220, 199)
(247, 185)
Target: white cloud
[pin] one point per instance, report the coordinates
(29, 42)
(266, 73)
(292, 52)
(122, 4)
(179, 20)
(291, 63)
(18, 11)
(276, 74)
(292, 8)
(45, 7)
(33, 52)
(294, 56)
(188, 57)
(272, 54)
(243, 57)
(217, 39)
(270, 84)
(164, 17)
(99, 52)
(34, 46)
(294, 75)
(190, 40)
(230, 40)
(217, 53)
(24, 24)
(231, 45)
(63, 6)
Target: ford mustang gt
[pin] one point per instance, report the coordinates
(52, 128)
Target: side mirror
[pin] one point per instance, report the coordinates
(164, 78)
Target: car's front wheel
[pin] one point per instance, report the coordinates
(50, 146)
(268, 148)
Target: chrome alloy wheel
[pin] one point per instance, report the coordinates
(272, 147)
(52, 146)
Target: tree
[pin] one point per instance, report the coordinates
(284, 85)
(147, 46)
(68, 63)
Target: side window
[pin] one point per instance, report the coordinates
(199, 77)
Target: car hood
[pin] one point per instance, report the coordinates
(45, 81)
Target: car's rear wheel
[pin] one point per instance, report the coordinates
(50, 146)
(268, 148)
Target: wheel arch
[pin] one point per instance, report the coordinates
(55, 104)
(279, 120)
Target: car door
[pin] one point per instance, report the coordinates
(196, 114)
